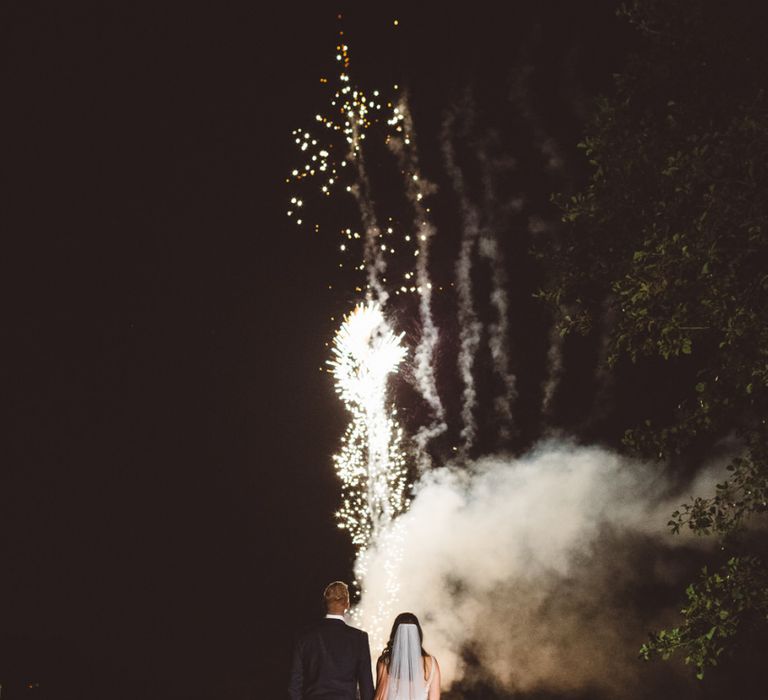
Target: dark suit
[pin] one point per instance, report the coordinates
(330, 661)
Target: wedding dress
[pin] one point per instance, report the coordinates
(406, 666)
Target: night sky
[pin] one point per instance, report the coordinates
(168, 494)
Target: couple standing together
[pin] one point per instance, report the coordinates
(332, 661)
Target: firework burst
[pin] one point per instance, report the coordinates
(371, 462)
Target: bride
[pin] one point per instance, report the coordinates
(404, 670)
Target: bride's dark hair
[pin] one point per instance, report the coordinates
(405, 618)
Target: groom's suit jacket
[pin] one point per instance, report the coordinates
(330, 661)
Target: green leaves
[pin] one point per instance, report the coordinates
(735, 501)
(719, 605)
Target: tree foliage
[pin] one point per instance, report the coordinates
(720, 605)
(671, 236)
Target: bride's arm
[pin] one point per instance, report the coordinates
(382, 676)
(434, 688)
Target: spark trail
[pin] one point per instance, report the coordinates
(376, 265)
(334, 160)
(554, 367)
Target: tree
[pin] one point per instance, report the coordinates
(671, 235)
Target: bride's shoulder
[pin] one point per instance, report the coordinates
(433, 665)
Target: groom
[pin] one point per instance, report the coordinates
(331, 660)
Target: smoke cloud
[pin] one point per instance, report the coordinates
(533, 568)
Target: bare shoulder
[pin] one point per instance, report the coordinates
(435, 681)
(434, 668)
(382, 673)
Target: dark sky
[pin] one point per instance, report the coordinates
(168, 496)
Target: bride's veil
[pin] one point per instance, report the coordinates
(406, 666)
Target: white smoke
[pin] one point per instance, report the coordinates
(526, 562)
(498, 333)
(555, 367)
(479, 239)
(470, 328)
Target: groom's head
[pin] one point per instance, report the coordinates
(336, 598)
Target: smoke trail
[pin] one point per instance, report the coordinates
(498, 335)
(470, 328)
(498, 332)
(475, 236)
(417, 188)
(554, 367)
(534, 566)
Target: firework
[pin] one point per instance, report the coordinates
(371, 461)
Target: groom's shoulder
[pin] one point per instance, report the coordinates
(310, 629)
(357, 632)
(344, 628)
(322, 627)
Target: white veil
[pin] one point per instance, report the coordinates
(406, 666)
